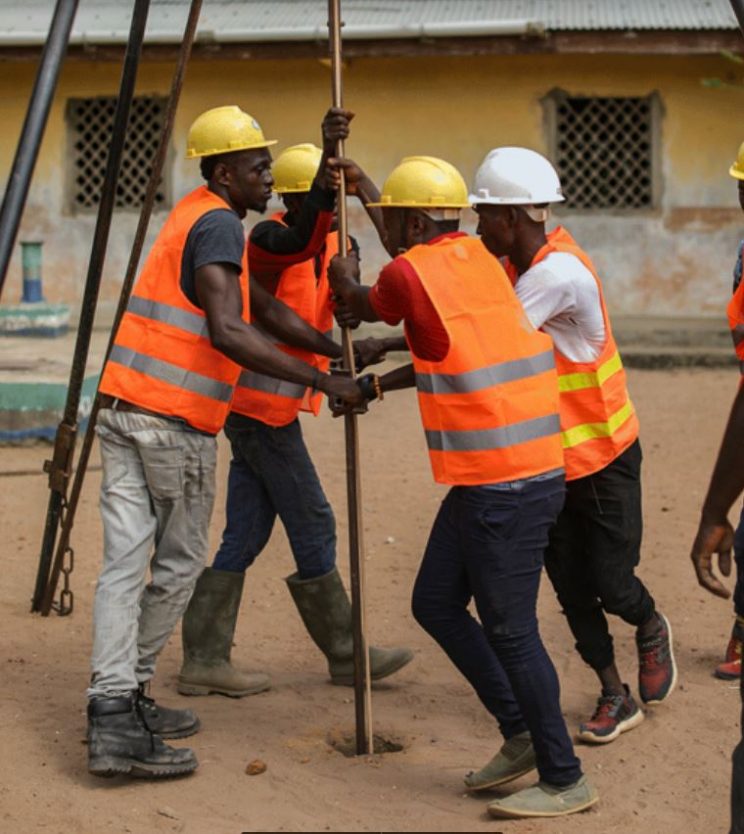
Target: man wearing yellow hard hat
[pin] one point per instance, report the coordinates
(488, 395)
(272, 474)
(715, 533)
(167, 387)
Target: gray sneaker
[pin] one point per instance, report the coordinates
(516, 757)
(543, 800)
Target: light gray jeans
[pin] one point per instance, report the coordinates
(157, 495)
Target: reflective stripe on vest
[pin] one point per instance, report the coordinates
(592, 379)
(271, 385)
(172, 374)
(489, 408)
(168, 314)
(478, 440)
(598, 420)
(162, 358)
(273, 401)
(485, 377)
(590, 431)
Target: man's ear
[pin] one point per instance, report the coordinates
(222, 174)
(415, 224)
(516, 217)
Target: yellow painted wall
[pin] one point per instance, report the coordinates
(674, 260)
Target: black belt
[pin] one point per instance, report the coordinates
(116, 404)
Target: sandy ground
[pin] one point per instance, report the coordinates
(672, 774)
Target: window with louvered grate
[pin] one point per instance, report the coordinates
(90, 122)
(605, 150)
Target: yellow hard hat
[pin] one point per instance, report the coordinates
(295, 168)
(223, 130)
(737, 169)
(424, 182)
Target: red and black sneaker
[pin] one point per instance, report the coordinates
(615, 714)
(730, 669)
(657, 670)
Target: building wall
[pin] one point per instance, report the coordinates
(675, 260)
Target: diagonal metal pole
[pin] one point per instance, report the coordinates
(63, 550)
(60, 465)
(738, 8)
(362, 680)
(32, 133)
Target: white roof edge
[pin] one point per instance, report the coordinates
(432, 29)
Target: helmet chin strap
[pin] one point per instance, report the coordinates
(438, 215)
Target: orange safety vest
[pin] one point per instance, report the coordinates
(490, 407)
(277, 402)
(162, 358)
(735, 313)
(598, 420)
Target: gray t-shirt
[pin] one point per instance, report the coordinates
(217, 237)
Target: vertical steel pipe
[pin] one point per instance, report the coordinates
(362, 681)
(158, 163)
(32, 132)
(60, 466)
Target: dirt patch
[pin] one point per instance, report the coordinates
(670, 775)
(344, 742)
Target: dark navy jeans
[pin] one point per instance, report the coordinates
(271, 474)
(739, 566)
(487, 544)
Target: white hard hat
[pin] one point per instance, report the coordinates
(516, 177)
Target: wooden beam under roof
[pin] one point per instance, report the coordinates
(646, 42)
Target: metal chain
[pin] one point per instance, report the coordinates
(66, 601)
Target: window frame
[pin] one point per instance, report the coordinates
(72, 207)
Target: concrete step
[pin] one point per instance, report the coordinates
(34, 377)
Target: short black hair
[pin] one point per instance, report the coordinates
(447, 226)
(209, 163)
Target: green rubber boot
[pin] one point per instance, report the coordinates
(326, 612)
(543, 800)
(207, 631)
(516, 757)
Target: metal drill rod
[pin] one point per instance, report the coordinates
(158, 164)
(738, 7)
(60, 466)
(32, 132)
(362, 680)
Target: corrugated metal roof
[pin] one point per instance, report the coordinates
(107, 21)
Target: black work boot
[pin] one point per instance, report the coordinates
(164, 721)
(326, 611)
(119, 742)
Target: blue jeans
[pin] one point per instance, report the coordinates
(271, 474)
(487, 544)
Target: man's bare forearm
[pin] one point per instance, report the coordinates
(367, 192)
(356, 298)
(247, 347)
(398, 379)
(395, 343)
(281, 321)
